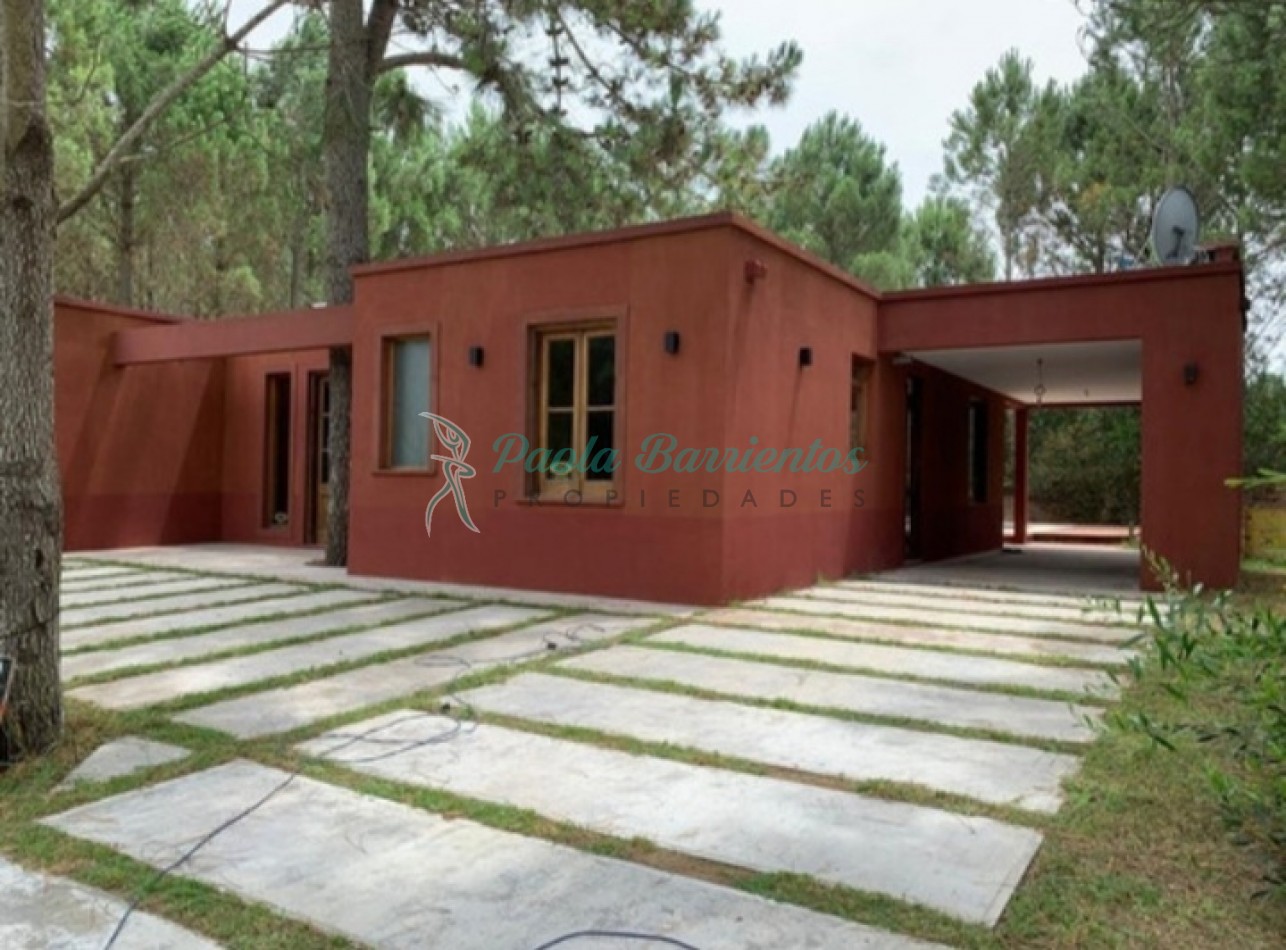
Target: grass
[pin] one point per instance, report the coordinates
(829, 712)
(249, 649)
(846, 630)
(820, 666)
(1140, 857)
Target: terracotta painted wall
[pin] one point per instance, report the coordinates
(140, 448)
(952, 524)
(173, 452)
(650, 544)
(244, 446)
(785, 529)
(1192, 435)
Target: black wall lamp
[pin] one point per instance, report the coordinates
(756, 270)
(476, 356)
(1191, 373)
(672, 342)
(805, 356)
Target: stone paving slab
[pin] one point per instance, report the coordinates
(300, 565)
(929, 664)
(966, 606)
(89, 570)
(75, 584)
(393, 877)
(123, 756)
(102, 613)
(927, 637)
(997, 772)
(136, 691)
(290, 707)
(126, 590)
(934, 705)
(963, 866)
(998, 595)
(43, 912)
(347, 609)
(937, 617)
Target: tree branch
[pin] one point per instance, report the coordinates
(378, 30)
(157, 108)
(424, 58)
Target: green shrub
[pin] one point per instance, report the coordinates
(1225, 665)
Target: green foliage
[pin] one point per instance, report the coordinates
(943, 245)
(997, 153)
(836, 195)
(1208, 652)
(1214, 77)
(1094, 200)
(1265, 423)
(182, 224)
(1085, 464)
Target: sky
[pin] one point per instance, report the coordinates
(900, 67)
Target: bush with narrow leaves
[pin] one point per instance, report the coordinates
(1225, 666)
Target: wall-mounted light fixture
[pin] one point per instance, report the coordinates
(756, 270)
(476, 356)
(672, 342)
(805, 356)
(1191, 373)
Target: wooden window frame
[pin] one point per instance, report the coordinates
(539, 487)
(384, 405)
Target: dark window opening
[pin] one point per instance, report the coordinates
(276, 476)
(979, 442)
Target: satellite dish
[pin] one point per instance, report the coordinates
(1176, 227)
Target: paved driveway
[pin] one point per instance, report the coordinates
(880, 738)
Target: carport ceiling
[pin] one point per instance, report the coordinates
(1073, 373)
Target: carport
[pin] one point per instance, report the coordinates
(1168, 340)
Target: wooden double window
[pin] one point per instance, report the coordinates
(576, 418)
(405, 435)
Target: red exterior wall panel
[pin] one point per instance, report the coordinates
(1192, 434)
(139, 450)
(642, 546)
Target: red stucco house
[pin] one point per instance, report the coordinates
(731, 377)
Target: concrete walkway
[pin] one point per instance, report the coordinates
(392, 876)
(979, 695)
(43, 912)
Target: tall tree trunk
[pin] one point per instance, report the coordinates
(30, 498)
(126, 235)
(346, 145)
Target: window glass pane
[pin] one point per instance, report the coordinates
(559, 440)
(602, 371)
(562, 373)
(408, 397)
(601, 436)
